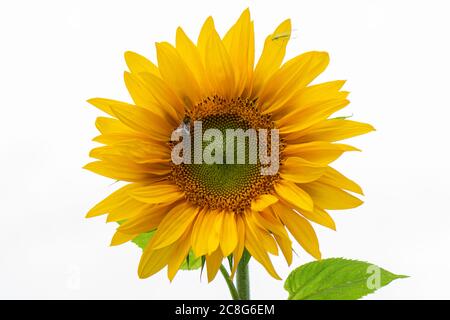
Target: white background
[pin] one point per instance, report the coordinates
(56, 54)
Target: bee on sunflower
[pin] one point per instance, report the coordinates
(219, 211)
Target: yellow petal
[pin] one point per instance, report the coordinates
(129, 208)
(143, 120)
(112, 138)
(294, 75)
(229, 235)
(294, 195)
(149, 219)
(104, 104)
(135, 150)
(139, 93)
(179, 254)
(271, 222)
(300, 170)
(145, 95)
(173, 225)
(215, 232)
(319, 216)
(153, 261)
(319, 152)
(118, 172)
(251, 61)
(337, 179)
(265, 238)
(137, 63)
(199, 245)
(113, 131)
(308, 97)
(286, 247)
(136, 118)
(220, 70)
(113, 200)
(253, 245)
(329, 197)
(311, 116)
(213, 263)
(191, 55)
(334, 130)
(272, 55)
(104, 152)
(238, 44)
(157, 193)
(263, 201)
(205, 33)
(114, 164)
(120, 238)
(167, 102)
(300, 228)
(177, 74)
(205, 236)
(109, 125)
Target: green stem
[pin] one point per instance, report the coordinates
(230, 284)
(242, 277)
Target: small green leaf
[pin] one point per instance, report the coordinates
(203, 265)
(342, 117)
(142, 239)
(191, 262)
(230, 261)
(336, 279)
(244, 259)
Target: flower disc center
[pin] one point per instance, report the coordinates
(224, 186)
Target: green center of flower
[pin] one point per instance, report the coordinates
(225, 178)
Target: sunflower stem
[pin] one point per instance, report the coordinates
(243, 278)
(230, 284)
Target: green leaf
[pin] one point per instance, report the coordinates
(244, 259)
(336, 279)
(203, 265)
(142, 239)
(342, 118)
(230, 261)
(191, 262)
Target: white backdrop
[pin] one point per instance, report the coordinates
(56, 54)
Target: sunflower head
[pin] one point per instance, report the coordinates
(215, 205)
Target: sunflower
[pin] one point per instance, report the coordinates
(219, 211)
